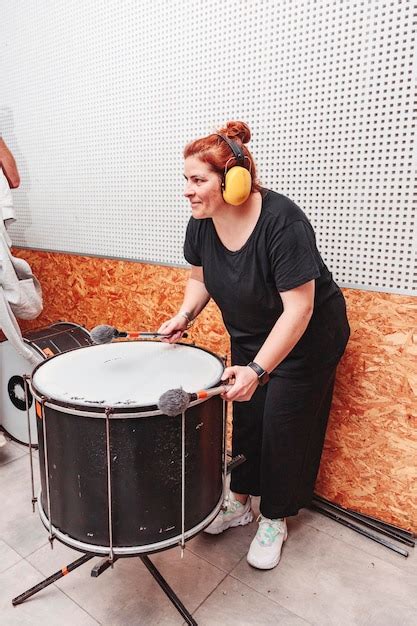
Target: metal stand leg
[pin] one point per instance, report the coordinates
(99, 569)
(167, 590)
(48, 581)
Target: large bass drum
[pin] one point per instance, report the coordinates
(117, 475)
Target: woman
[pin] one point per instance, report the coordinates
(287, 322)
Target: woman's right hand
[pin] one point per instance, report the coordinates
(173, 328)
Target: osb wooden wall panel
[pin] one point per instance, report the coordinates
(369, 460)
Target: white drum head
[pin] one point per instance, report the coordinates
(125, 374)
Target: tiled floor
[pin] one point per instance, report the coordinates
(327, 575)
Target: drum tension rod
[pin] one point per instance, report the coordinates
(108, 411)
(26, 387)
(51, 536)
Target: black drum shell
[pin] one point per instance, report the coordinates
(146, 473)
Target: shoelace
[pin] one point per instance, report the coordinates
(269, 530)
(232, 506)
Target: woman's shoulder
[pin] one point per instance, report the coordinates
(195, 225)
(196, 229)
(281, 210)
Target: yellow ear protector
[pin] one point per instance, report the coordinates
(237, 181)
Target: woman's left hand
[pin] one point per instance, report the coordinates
(244, 385)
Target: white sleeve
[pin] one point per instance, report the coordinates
(10, 327)
(6, 200)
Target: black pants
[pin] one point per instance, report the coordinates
(281, 432)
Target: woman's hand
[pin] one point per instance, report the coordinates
(244, 385)
(174, 328)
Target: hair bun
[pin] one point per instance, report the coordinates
(238, 130)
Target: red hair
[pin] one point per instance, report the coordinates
(216, 153)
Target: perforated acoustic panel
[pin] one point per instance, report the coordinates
(100, 97)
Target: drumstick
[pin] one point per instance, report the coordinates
(176, 401)
(106, 334)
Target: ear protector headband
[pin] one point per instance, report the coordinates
(237, 181)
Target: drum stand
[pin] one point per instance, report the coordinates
(99, 569)
(109, 561)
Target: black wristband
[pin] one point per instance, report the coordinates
(262, 374)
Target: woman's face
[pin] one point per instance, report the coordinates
(202, 188)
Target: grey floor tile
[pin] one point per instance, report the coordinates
(327, 581)
(8, 556)
(50, 607)
(336, 530)
(388, 616)
(128, 594)
(11, 451)
(191, 577)
(21, 529)
(227, 549)
(328, 575)
(234, 603)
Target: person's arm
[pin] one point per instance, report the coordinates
(8, 165)
(196, 297)
(285, 334)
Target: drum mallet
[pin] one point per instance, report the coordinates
(105, 334)
(176, 401)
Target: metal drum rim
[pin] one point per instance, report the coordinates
(126, 551)
(96, 410)
(101, 412)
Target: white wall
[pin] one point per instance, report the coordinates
(100, 96)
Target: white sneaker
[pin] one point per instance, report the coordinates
(235, 514)
(265, 549)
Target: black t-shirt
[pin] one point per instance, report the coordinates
(279, 255)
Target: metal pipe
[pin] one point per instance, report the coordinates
(359, 530)
(395, 530)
